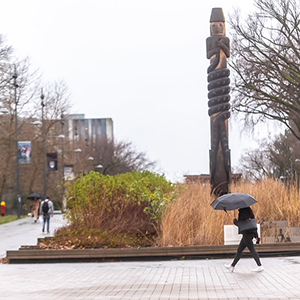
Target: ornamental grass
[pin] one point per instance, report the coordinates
(190, 220)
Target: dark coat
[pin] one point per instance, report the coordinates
(244, 214)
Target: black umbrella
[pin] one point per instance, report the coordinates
(233, 201)
(33, 196)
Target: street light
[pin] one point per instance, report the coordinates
(62, 137)
(78, 150)
(99, 167)
(297, 173)
(4, 111)
(292, 165)
(15, 76)
(43, 144)
(36, 123)
(90, 163)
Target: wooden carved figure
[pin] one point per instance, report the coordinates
(218, 50)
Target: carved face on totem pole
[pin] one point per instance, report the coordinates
(217, 28)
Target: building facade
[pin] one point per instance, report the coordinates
(89, 130)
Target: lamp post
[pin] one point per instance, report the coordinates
(100, 168)
(4, 111)
(90, 163)
(78, 150)
(62, 136)
(296, 161)
(292, 164)
(43, 145)
(15, 76)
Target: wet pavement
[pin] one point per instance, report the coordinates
(186, 279)
(26, 232)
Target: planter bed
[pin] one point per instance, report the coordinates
(28, 254)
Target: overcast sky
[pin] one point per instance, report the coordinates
(141, 63)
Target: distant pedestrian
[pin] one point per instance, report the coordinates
(46, 210)
(246, 241)
(35, 209)
(2, 204)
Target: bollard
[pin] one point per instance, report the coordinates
(2, 204)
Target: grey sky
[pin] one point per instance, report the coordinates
(142, 63)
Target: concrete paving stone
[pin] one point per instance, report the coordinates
(26, 232)
(167, 280)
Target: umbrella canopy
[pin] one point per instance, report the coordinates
(33, 196)
(233, 201)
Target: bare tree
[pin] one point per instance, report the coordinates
(278, 158)
(118, 157)
(265, 55)
(28, 103)
(125, 158)
(55, 104)
(254, 164)
(22, 99)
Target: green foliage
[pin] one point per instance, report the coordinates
(9, 218)
(157, 204)
(130, 203)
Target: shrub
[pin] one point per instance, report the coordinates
(128, 203)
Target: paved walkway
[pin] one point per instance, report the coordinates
(199, 279)
(194, 279)
(25, 232)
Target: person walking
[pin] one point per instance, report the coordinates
(246, 241)
(46, 210)
(35, 209)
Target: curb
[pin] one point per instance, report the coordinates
(37, 255)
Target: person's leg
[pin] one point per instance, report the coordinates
(48, 223)
(44, 221)
(249, 243)
(35, 212)
(239, 251)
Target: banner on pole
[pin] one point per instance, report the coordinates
(24, 152)
(68, 172)
(52, 161)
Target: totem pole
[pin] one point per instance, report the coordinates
(217, 46)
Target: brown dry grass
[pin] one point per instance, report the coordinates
(190, 220)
